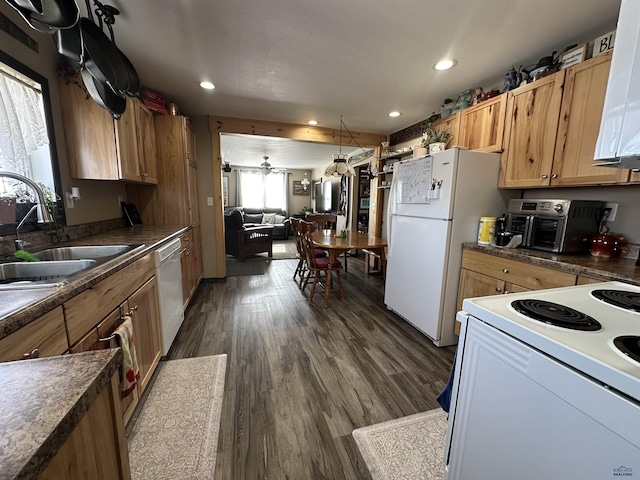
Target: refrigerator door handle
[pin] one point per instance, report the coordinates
(391, 208)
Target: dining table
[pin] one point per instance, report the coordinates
(334, 244)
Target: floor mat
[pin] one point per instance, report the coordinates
(175, 434)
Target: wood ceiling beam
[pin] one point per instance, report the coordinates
(294, 131)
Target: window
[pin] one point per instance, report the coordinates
(262, 191)
(26, 147)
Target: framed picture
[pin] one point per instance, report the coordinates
(364, 203)
(298, 188)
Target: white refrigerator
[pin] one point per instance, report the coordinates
(435, 205)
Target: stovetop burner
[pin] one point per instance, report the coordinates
(556, 314)
(629, 345)
(619, 298)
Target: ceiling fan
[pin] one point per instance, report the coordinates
(266, 168)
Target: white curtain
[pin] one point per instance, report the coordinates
(22, 125)
(262, 191)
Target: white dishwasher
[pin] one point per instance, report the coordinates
(169, 280)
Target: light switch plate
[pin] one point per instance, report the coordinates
(210, 201)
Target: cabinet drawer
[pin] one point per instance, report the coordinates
(526, 275)
(88, 308)
(186, 238)
(47, 334)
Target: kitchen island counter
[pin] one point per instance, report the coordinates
(20, 307)
(605, 269)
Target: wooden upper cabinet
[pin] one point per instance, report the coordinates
(531, 124)
(580, 114)
(89, 134)
(101, 148)
(450, 124)
(191, 144)
(146, 143)
(635, 177)
(482, 126)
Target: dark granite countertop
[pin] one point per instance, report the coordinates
(621, 269)
(42, 402)
(20, 307)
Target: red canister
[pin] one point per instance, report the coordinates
(605, 245)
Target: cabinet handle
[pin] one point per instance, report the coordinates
(554, 175)
(505, 270)
(545, 176)
(35, 353)
(133, 310)
(505, 292)
(498, 289)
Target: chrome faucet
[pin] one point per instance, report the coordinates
(44, 212)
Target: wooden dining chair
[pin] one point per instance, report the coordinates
(299, 226)
(326, 221)
(318, 269)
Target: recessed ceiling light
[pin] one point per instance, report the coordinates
(445, 64)
(312, 122)
(207, 85)
(394, 114)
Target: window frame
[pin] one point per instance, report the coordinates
(53, 150)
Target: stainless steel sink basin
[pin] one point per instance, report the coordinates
(83, 252)
(58, 266)
(16, 275)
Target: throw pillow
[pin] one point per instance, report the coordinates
(268, 218)
(279, 218)
(252, 218)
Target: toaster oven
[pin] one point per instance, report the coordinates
(559, 226)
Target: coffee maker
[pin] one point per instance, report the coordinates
(502, 236)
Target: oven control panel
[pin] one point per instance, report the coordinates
(545, 207)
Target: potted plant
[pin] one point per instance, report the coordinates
(7, 208)
(422, 148)
(55, 231)
(438, 140)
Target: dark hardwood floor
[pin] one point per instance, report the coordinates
(301, 378)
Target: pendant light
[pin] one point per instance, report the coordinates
(340, 165)
(305, 182)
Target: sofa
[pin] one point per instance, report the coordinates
(276, 217)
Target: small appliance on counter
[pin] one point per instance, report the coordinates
(559, 226)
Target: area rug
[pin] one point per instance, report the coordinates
(284, 249)
(239, 269)
(406, 448)
(175, 434)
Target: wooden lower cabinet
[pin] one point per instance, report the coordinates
(44, 337)
(190, 262)
(483, 275)
(97, 447)
(119, 295)
(582, 280)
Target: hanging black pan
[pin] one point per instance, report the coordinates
(100, 56)
(47, 16)
(109, 13)
(104, 95)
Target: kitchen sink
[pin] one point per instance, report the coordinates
(18, 275)
(58, 266)
(91, 252)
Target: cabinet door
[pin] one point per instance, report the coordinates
(474, 284)
(582, 103)
(127, 141)
(450, 124)
(188, 272)
(146, 327)
(146, 144)
(191, 143)
(89, 134)
(192, 180)
(105, 329)
(530, 132)
(47, 335)
(482, 126)
(635, 177)
(197, 254)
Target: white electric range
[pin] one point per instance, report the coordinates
(547, 385)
